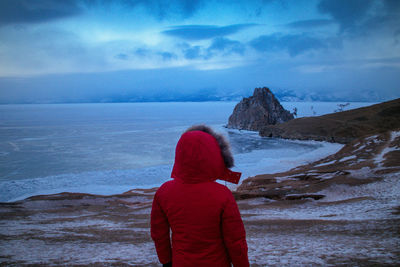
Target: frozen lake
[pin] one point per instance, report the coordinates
(111, 148)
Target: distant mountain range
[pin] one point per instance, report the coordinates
(199, 95)
(284, 95)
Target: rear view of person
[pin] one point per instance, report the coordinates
(206, 226)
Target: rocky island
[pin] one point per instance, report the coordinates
(255, 112)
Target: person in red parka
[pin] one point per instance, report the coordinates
(202, 215)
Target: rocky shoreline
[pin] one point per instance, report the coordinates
(362, 161)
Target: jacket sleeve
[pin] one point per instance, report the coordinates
(160, 232)
(234, 233)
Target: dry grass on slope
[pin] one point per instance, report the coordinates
(341, 127)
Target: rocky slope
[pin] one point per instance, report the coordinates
(364, 160)
(261, 109)
(341, 127)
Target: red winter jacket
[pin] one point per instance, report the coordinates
(206, 226)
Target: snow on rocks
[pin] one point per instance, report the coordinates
(392, 146)
(348, 158)
(325, 163)
(362, 161)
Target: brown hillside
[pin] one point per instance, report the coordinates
(365, 160)
(340, 127)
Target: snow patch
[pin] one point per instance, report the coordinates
(286, 178)
(360, 148)
(373, 201)
(305, 248)
(379, 159)
(326, 163)
(363, 173)
(394, 135)
(81, 253)
(348, 158)
(371, 138)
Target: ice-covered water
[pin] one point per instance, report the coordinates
(111, 148)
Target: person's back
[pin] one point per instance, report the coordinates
(206, 226)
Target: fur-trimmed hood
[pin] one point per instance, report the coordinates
(203, 155)
(222, 143)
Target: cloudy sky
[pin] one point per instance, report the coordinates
(132, 50)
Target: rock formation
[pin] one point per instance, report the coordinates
(255, 112)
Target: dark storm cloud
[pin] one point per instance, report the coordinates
(363, 16)
(142, 52)
(219, 46)
(193, 52)
(32, 11)
(294, 44)
(188, 7)
(392, 6)
(348, 13)
(162, 9)
(146, 53)
(26, 11)
(203, 32)
(227, 46)
(311, 23)
(122, 56)
(389, 18)
(167, 56)
(159, 9)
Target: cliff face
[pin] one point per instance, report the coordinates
(255, 112)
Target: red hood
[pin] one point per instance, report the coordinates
(198, 159)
